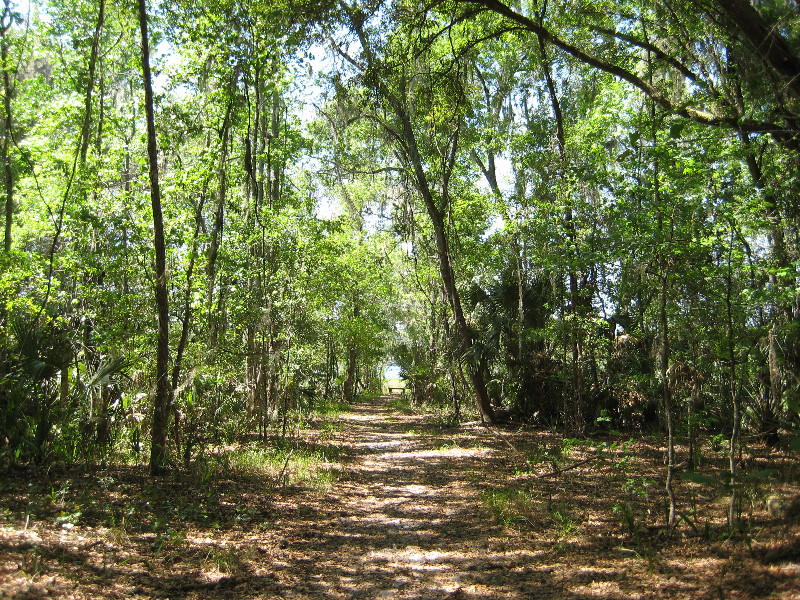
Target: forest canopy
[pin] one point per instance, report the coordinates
(569, 214)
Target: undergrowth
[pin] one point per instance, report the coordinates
(282, 465)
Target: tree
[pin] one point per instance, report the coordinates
(163, 395)
(7, 21)
(400, 103)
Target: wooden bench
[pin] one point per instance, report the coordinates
(400, 390)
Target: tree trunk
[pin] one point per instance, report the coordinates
(735, 401)
(162, 400)
(412, 157)
(186, 318)
(219, 220)
(765, 39)
(348, 387)
(667, 395)
(574, 418)
(8, 124)
(251, 371)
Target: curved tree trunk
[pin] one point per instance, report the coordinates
(407, 139)
(463, 332)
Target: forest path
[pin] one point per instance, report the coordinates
(405, 519)
(410, 516)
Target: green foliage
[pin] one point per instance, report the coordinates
(302, 256)
(509, 506)
(281, 464)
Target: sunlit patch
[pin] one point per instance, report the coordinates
(603, 589)
(417, 558)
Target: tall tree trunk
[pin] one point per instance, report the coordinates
(464, 335)
(163, 399)
(735, 401)
(186, 318)
(573, 420)
(87, 116)
(219, 220)
(667, 264)
(777, 242)
(667, 394)
(8, 123)
(348, 387)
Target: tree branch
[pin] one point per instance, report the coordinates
(786, 134)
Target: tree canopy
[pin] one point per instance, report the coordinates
(570, 214)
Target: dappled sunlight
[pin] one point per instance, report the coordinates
(416, 513)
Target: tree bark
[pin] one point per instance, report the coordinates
(735, 400)
(667, 395)
(463, 332)
(573, 420)
(766, 40)
(219, 220)
(348, 387)
(87, 115)
(8, 124)
(162, 400)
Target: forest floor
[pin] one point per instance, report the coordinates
(408, 508)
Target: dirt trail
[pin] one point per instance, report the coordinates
(404, 521)
(409, 517)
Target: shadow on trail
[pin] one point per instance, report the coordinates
(405, 521)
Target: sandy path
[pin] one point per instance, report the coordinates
(404, 521)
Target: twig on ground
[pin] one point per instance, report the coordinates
(558, 471)
(509, 444)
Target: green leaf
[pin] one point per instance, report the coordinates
(675, 130)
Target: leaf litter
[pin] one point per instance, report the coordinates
(411, 509)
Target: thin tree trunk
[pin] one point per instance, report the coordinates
(665, 350)
(574, 420)
(251, 380)
(8, 124)
(87, 117)
(737, 416)
(219, 220)
(348, 387)
(667, 395)
(162, 401)
(186, 318)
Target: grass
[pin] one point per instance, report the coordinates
(445, 446)
(282, 464)
(330, 411)
(566, 519)
(401, 404)
(514, 505)
(509, 505)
